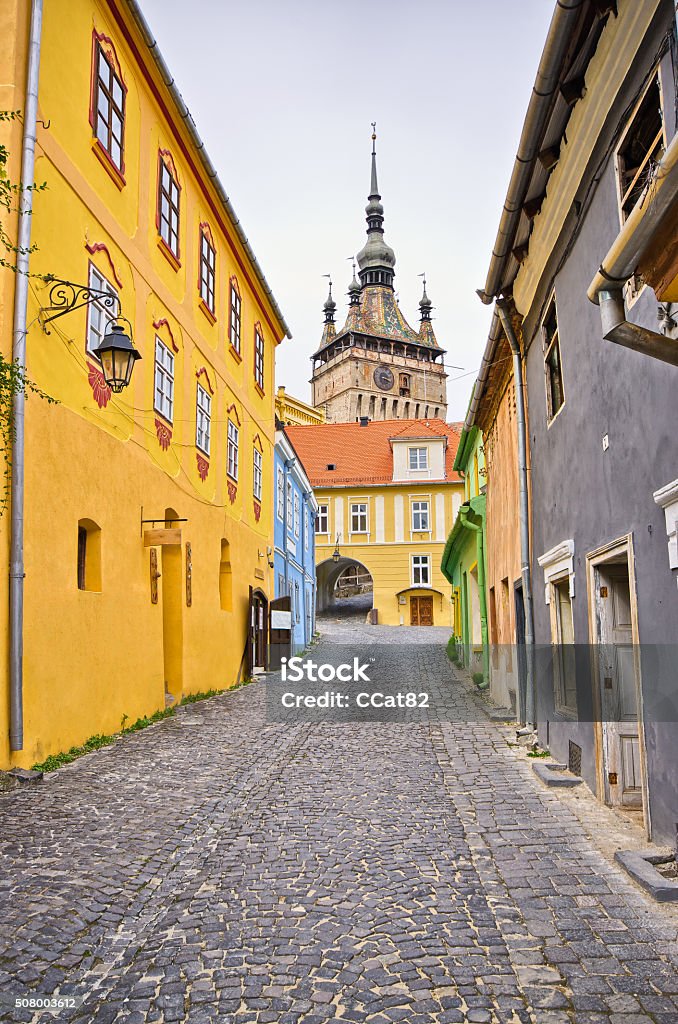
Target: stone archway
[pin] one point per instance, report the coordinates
(356, 591)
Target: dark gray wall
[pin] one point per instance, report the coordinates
(593, 496)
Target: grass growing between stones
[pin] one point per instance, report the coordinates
(54, 761)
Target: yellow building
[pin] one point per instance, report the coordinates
(119, 618)
(387, 497)
(289, 410)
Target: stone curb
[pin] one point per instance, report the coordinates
(640, 866)
(553, 774)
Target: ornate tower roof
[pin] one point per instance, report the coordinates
(426, 332)
(376, 259)
(329, 308)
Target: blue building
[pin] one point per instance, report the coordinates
(294, 560)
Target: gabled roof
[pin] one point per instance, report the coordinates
(362, 456)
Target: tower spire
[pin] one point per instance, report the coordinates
(376, 259)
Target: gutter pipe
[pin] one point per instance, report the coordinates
(621, 262)
(464, 512)
(16, 556)
(185, 115)
(539, 110)
(529, 710)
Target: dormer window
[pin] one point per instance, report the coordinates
(418, 458)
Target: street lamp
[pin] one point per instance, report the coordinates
(336, 554)
(118, 355)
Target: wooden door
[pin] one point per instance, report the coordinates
(258, 630)
(421, 611)
(618, 688)
(280, 631)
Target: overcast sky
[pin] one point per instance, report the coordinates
(283, 93)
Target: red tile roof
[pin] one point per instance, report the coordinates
(363, 455)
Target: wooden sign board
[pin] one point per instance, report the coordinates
(155, 538)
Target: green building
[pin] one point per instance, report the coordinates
(464, 561)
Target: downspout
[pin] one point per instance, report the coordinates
(16, 558)
(524, 511)
(480, 557)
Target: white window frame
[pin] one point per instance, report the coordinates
(421, 507)
(98, 313)
(290, 507)
(420, 567)
(323, 518)
(203, 419)
(307, 527)
(208, 272)
(548, 345)
(257, 472)
(163, 380)
(235, 318)
(233, 444)
(360, 516)
(280, 493)
(297, 515)
(417, 453)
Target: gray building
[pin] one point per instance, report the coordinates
(595, 167)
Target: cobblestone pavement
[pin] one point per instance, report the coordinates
(218, 867)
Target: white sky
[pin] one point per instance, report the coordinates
(283, 93)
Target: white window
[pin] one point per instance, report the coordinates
(257, 475)
(208, 264)
(232, 450)
(289, 507)
(235, 318)
(280, 493)
(163, 396)
(420, 517)
(101, 310)
(322, 522)
(203, 416)
(359, 518)
(421, 570)
(418, 458)
(307, 528)
(297, 515)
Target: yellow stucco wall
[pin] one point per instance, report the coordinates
(93, 657)
(386, 551)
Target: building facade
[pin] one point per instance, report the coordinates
(464, 561)
(294, 554)
(387, 493)
(289, 410)
(376, 365)
(147, 514)
(601, 447)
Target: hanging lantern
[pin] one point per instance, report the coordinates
(118, 356)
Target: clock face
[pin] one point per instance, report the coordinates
(383, 378)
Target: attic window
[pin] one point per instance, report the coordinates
(641, 148)
(331, 466)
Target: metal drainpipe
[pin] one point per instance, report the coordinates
(523, 511)
(16, 558)
(480, 556)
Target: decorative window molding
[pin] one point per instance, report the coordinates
(96, 247)
(157, 324)
(203, 421)
(556, 563)
(233, 413)
(667, 499)
(233, 444)
(202, 372)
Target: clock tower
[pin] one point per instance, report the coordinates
(376, 365)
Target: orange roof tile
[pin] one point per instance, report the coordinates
(363, 455)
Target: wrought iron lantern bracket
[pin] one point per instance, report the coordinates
(67, 296)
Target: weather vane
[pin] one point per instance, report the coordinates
(374, 136)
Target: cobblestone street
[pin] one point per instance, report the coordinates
(217, 867)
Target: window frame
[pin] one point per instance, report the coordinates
(232, 449)
(207, 274)
(297, 515)
(173, 220)
(280, 494)
(417, 468)
(360, 516)
(419, 563)
(97, 306)
(115, 108)
(257, 472)
(166, 374)
(421, 511)
(549, 346)
(259, 358)
(203, 420)
(624, 194)
(290, 508)
(323, 512)
(235, 317)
